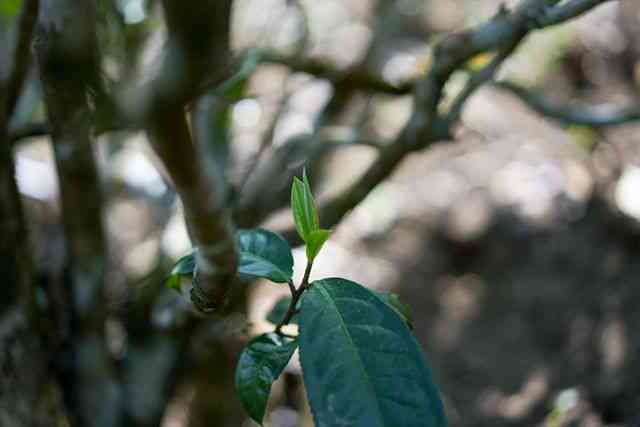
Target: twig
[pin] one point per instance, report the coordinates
(268, 188)
(478, 79)
(596, 117)
(358, 77)
(295, 297)
(29, 130)
(568, 11)
(265, 142)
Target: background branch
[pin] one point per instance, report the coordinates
(477, 80)
(68, 61)
(15, 259)
(596, 117)
(427, 125)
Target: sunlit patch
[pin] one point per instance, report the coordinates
(579, 185)
(399, 67)
(627, 193)
(142, 258)
(567, 399)
(479, 61)
(529, 188)
(175, 239)
(247, 113)
(292, 125)
(36, 179)
(133, 11)
(349, 44)
(139, 172)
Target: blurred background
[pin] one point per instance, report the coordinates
(515, 244)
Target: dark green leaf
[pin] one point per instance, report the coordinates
(264, 254)
(303, 206)
(362, 367)
(315, 242)
(185, 266)
(280, 309)
(260, 364)
(393, 300)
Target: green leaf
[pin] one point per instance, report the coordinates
(264, 254)
(362, 367)
(315, 242)
(185, 266)
(305, 214)
(393, 300)
(260, 364)
(279, 310)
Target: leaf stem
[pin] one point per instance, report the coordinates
(295, 297)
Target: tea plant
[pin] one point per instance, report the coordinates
(361, 364)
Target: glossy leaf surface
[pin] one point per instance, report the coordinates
(362, 367)
(393, 300)
(264, 254)
(260, 364)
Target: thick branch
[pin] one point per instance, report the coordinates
(66, 49)
(198, 48)
(596, 117)
(14, 257)
(205, 211)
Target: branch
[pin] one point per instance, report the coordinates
(426, 125)
(269, 186)
(66, 47)
(596, 117)
(103, 122)
(14, 255)
(358, 77)
(205, 212)
(198, 48)
(568, 11)
(476, 80)
(28, 130)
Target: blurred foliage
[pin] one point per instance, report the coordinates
(9, 9)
